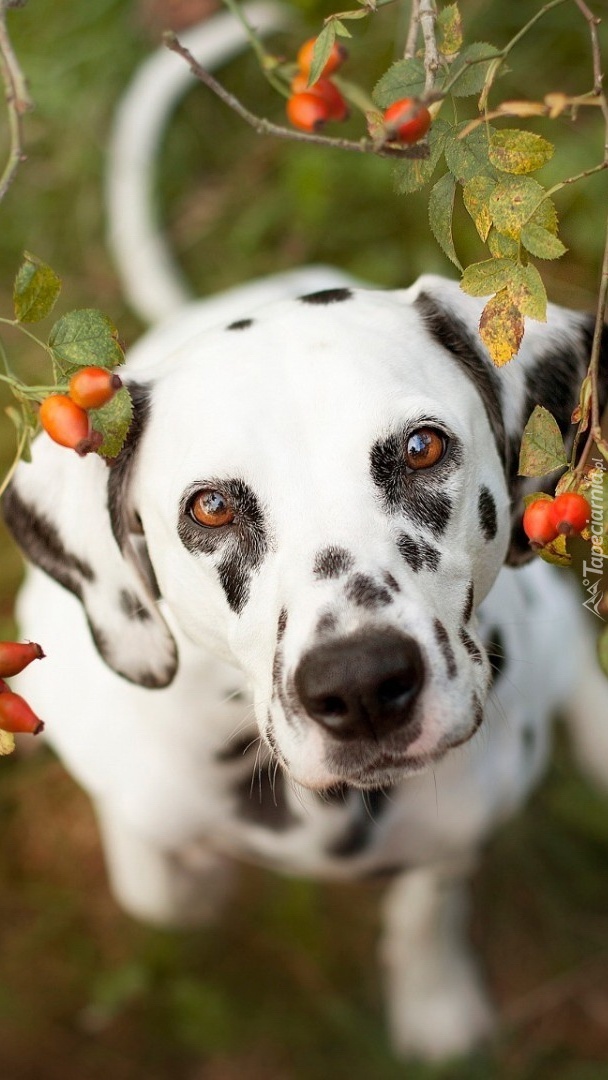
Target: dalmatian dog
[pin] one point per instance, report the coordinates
(296, 620)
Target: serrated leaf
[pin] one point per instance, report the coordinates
(468, 157)
(472, 65)
(410, 174)
(7, 743)
(518, 152)
(321, 51)
(449, 30)
(84, 337)
(546, 216)
(542, 446)
(35, 291)
(556, 552)
(405, 78)
(513, 202)
(476, 194)
(541, 243)
(489, 276)
(501, 327)
(529, 293)
(441, 208)
(113, 421)
(502, 247)
(602, 650)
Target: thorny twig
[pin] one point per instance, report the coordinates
(18, 100)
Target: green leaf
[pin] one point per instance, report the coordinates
(483, 278)
(449, 30)
(556, 552)
(113, 421)
(513, 202)
(84, 337)
(468, 157)
(501, 327)
(542, 446)
(35, 290)
(410, 174)
(405, 78)
(541, 243)
(529, 293)
(341, 29)
(441, 208)
(321, 51)
(602, 650)
(472, 65)
(476, 194)
(515, 151)
(502, 247)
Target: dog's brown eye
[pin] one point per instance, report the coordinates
(425, 448)
(211, 508)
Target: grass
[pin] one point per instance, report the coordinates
(284, 988)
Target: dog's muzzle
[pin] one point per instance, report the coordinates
(362, 686)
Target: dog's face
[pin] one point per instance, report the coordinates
(323, 495)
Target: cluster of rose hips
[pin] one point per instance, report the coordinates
(546, 519)
(65, 416)
(15, 713)
(311, 107)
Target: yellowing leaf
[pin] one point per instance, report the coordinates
(490, 276)
(113, 421)
(7, 743)
(513, 202)
(441, 207)
(468, 157)
(501, 328)
(35, 290)
(528, 292)
(449, 30)
(542, 446)
(522, 108)
(540, 242)
(502, 247)
(556, 552)
(476, 194)
(514, 151)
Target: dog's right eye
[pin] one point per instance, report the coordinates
(211, 509)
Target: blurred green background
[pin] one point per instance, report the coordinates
(287, 985)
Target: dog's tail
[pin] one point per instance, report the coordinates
(152, 282)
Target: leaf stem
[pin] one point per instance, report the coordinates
(17, 458)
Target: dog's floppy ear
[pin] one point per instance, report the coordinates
(548, 371)
(71, 517)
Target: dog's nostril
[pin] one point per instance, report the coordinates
(331, 706)
(395, 692)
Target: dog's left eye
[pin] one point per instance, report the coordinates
(211, 508)
(425, 448)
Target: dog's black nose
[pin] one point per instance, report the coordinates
(364, 685)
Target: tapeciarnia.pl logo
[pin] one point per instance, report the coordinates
(595, 568)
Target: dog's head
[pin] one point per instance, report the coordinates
(322, 493)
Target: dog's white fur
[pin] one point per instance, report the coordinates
(293, 405)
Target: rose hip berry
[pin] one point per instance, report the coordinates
(335, 59)
(92, 387)
(570, 513)
(16, 715)
(407, 120)
(538, 522)
(309, 112)
(327, 91)
(16, 655)
(68, 424)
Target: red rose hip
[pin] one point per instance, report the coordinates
(16, 655)
(407, 120)
(16, 715)
(538, 522)
(309, 112)
(570, 513)
(92, 387)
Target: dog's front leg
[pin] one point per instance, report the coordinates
(437, 1006)
(160, 886)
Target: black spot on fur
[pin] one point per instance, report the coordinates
(240, 324)
(477, 714)
(470, 600)
(450, 332)
(417, 494)
(488, 519)
(41, 542)
(364, 592)
(327, 296)
(281, 624)
(391, 582)
(443, 640)
(123, 517)
(418, 554)
(332, 562)
(366, 811)
(473, 650)
(132, 607)
(496, 652)
(264, 801)
(327, 623)
(242, 545)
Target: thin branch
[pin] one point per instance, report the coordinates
(412, 32)
(18, 101)
(427, 15)
(266, 127)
